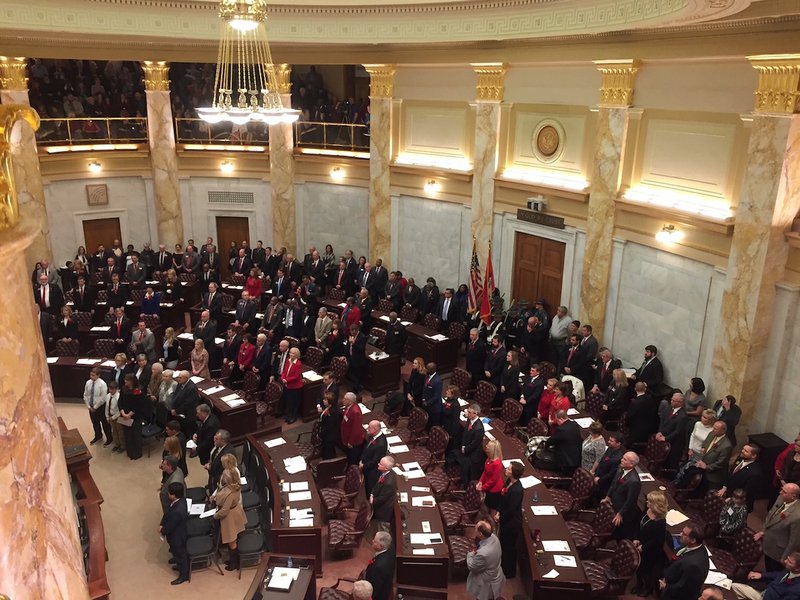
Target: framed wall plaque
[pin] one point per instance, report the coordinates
(97, 194)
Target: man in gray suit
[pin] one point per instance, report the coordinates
(322, 327)
(717, 456)
(781, 533)
(173, 473)
(486, 579)
(144, 342)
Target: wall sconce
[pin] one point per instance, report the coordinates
(95, 167)
(337, 173)
(669, 234)
(432, 186)
(226, 167)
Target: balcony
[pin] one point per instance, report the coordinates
(91, 134)
(337, 139)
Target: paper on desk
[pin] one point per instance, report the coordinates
(544, 510)
(233, 396)
(398, 470)
(243, 480)
(399, 449)
(414, 474)
(209, 513)
(101, 328)
(295, 464)
(378, 355)
(487, 427)
(215, 389)
(219, 340)
(166, 304)
(629, 372)
(275, 442)
(301, 522)
(529, 481)
(419, 488)
(298, 486)
(394, 439)
(236, 402)
(364, 409)
(646, 477)
(720, 579)
(676, 517)
(565, 560)
(462, 402)
(423, 501)
(190, 444)
(196, 509)
(412, 466)
(312, 376)
(573, 411)
(426, 538)
(301, 513)
(88, 361)
(108, 363)
(423, 551)
(286, 572)
(54, 359)
(342, 304)
(278, 582)
(551, 574)
(129, 303)
(299, 496)
(185, 336)
(584, 422)
(711, 565)
(488, 436)
(195, 379)
(259, 315)
(405, 323)
(555, 546)
(384, 318)
(403, 496)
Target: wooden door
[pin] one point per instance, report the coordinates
(231, 229)
(538, 270)
(101, 231)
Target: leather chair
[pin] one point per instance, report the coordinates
(228, 302)
(577, 496)
(594, 403)
(187, 277)
(336, 294)
(83, 319)
(313, 447)
(742, 557)
(457, 331)
(457, 514)
(225, 371)
(484, 396)
(137, 294)
(237, 279)
(460, 546)
(431, 321)
(339, 366)
(152, 322)
(594, 527)
(547, 370)
(336, 499)
(314, 357)
(704, 513)
(344, 535)
(611, 574)
(103, 348)
(412, 433)
(271, 399)
(67, 348)
(444, 481)
(655, 454)
(409, 313)
(432, 454)
(462, 379)
(379, 335)
(202, 551)
(385, 305)
(535, 428)
(509, 414)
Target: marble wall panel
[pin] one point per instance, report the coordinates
(333, 214)
(662, 300)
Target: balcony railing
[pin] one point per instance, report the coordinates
(100, 130)
(197, 131)
(353, 137)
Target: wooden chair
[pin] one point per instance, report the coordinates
(336, 499)
(346, 536)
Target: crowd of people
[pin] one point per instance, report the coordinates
(546, 364)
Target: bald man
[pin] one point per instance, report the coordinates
(623, 496)
(375, 448)
(781, 533)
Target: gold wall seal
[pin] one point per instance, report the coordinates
(9, 115)
(778, 83)
(156, 75)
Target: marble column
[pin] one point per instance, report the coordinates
(768, 202)
(41, 555)
(616, 96)
(163, 157)
(491, 78)
(281, 167)
(381, 89)
(30, 191)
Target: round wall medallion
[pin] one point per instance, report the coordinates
(547, 141)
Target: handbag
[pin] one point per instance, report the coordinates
(124, 421)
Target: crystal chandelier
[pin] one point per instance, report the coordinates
(245, 82)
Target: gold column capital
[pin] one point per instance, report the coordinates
(283, 78)
(381, 80)
(9, 115)
(12, 73)
(491, 80)
(616, 86)
(778, 83)
(156, 75)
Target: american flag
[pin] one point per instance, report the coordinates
(488, 288)
(475, 282)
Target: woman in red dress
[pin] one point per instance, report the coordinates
(254, 286)
(560, 402)
(548, 395)
(247, 352)
(292, 378)
(491, 481)
(351, 429)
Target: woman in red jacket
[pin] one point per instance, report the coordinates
(247, 353)
(292, 378)
(254, 286)
(491, 481)
(351, 429)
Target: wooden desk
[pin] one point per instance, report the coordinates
(305, 588)
(285, 538)
(69, 378)
(382, 374)
(311, 391)
(444, 353)
(239, 420)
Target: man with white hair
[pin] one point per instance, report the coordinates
(380, 569)
(623, 496)
(322, 327)
(375, 448)
(362, 590)
(206, 330)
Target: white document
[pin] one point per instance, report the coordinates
(646, 477)
(275, 442)
(508, 461)
(312, 376)
(423, 551)
(419, 488)
(555, 546)
(364, 409)
(394, 439)
(51, 360)
(720, 579)
(544, 510)
(209, 513)
(487, 427)
(414, 474)
(129, 303)
(243, 480)
(398, 471)
(565, 560)
(711, 565)
(529, 481)
(301, 522)
(405, 323)
(676, 517)
(584, 422)
(214, 390)
(298, 486)
(462, 402)
(235, 403)
(88, 361)
(219, 341)
(299, 496)
(195, 379)
(488, 436)
(301, 513)
(259, 315)
(423, 501)
(629, 372)
(296, 464)
(278, 582)
(403, 496)
(101, 328)
(384, 318)
(190, 444)
(426, 526)
(551, 574)
(378, 355)
(572, 411)
(412, 466)
(426, 539)
(185, 336)
(166, 304)
(398, 449)
(342, 304)
(197, 509)
(233, 396)
(108, 363)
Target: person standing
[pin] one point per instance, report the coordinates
(781, 533)
(432, 395)
(292, 379)
(486, 579)
(684, 577)
(384, 492)
(111, 409)
(623, 496)
(230, 514)
(510, 518)
(330, 420)
(374, 450)
(650, 544)
(95, 393)
(132, 408)
(352, 433)
(173, 528)
(491, 481)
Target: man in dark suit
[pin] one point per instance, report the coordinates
(495, 362)
(380, 568)
(623, 496)
(476, 357)
(472, 457)
(207, 276)
(381, 274)
(783, 584)
(163, 259)
(371, 282)
(282, 286)
(206, 330)
(651, 371)
(355, 347)
(242, 264)
(375, 448)
(212, 302)
(207, 427)
(49, 297)
(117, 293)
(121, 330)
(685, 575)
(328, 385)
(262, 360)
(745, 474)
(82, 296)
(222, 446)
(448, 309)
(577, 363)
(293, 320)
(259, 256)
(394, 291)
(384, 491)
(608, 465)
(532, 389)
(641, 418)
(111, 266)
(173, 527)
(432, 395)
(604, 371)
(47, 328)
(395, 336)
(245, 311)
(135, 273)
(673, 430)
(565, 444)
(99, 258)
(412, 295)
(343, 279)
(191, 261)
(316, 268)
(184, 403)
(273, 317)
(211, 258)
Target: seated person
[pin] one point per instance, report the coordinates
(733, 515)
(773, 585)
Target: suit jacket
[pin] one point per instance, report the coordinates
(476, 360)
(176, 477)
(604, 376)
(263, 359)
(55, 298)
(578, 361)
(190, 262)
(123, 332)
(652, 374)
(380, 573)
(242, 265)
(566, 443)
(213, 305)
(432, 394)
(215, 469)
(453, 310)
(135, 275)
(293, 271)
(486, 577)
(207, 333)
(717, 459)
(749, 478)
(532, 391)
(70, 330)
(146, 346)
(281, 288)
(412, 296)
(778, 588)
(590, 347)
(173, 524)
(607, 468)
(184, 401)
(205, 437)
(685, 575)
(344, 279)
(316, 272)
(624, 496)
(322, 328)
(395, 338)
(273, 321)
(82, 302)
(641, 418)
(374, 450)
(383, 497)
(731, 418)
(296, 327)
(782, 530)
(245, 311)
(213, 261)
(510, 505)
(472, 443)
(495, 363)
(163, 263)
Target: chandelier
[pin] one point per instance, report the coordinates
(245, 82)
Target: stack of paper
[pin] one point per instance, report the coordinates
(233, 400)
(555, 546)
(394, 439)
(295, 464)
(275, 442)
(422, 551)
(209, 513)
(195, 379)
(342, 304)
(196, 509)
(529, 481)
(572, 411)
(718, 579)
(88, 361)
(676, 517)
(425, 539)
(166, 304)
(364, 409)
(219, 341)
(298, 486)
(427, 501)
(214, 390)
(51, 360)
(299, 496)
(312, 376)
(544, 510)
(399, 449)
(101, 328)
(129, 303)
(191, 445)
(301, 513)
(384, 318)
(185, 336)
(565, 560)
(108, 363)
(405, 323)
(378, 355)
(584, 422)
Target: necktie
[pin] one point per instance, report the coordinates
(383, 476)
(571, 354)
(444, 309)
(202, 324)
(44, 296)
(785, 577)
(241, 262)
(210, 298)
(141, 335)
(119, 327)
(91, 394)
(738, 467)
(469, 427)
(339, 282)
(366, 277)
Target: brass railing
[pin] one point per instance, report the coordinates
(332, 136)
(197, 131)
(98, 130)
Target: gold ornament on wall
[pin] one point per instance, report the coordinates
(616, 86)
(547, 140)
(9, 115)
(381, 80)
(97, 194)
(491, 80)
(778, 83)
(12, 73)
(156, 76)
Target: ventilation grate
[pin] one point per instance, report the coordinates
(231, 198)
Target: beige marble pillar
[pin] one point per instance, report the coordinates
(163, 157)
(381, 88)
(30, 192)
(281, 167)
(41, 555)
(491, 80)
(768, 201)
(616, 96)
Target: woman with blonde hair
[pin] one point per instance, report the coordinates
(491, 481)
(228, 462)
(199, 360)
(170, 358)
(617, 398)
(172, 447)
(650, 543)
(416, 382)
(230, 514)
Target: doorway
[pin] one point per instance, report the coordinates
(231, 229)
(101, 231)
(538, 270)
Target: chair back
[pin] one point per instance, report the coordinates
(510, 412)
(314, 357)
(336, 294)
(603, 524)
(363, 517)
(385, 305)
(431, 321)
(547, 370)
(104, 348)
(137, 294)
(581, 487)
(237, 279)
(187, 277)
(152, 321)
(417, 420)
(379, 335)
(228, 302)
(102, 295)
(339, 367)
(251, 382)
(409, 313)
(625, 560)
(461, 378)
(274, 391)
(536, 428)
(438, 439)
(456, 330)
(712, 507)
(353, 480)
(83, 319)
(225, 370)
(293, 341)
(594, 403)
(472, 497)
(746, 550)
(67, 348)
(484, 396)
(656, 453)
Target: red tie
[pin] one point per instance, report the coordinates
(571, 354)
(340, 278)
(738, 467)
(44, 294)
(119, 327)
(469, 428)
(141, 335)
